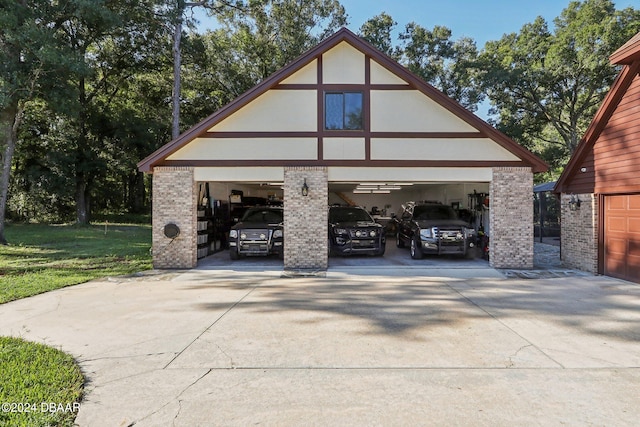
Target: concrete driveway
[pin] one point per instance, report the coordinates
(369, 346)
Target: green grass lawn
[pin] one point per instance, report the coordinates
(39, 385)
(41, 258)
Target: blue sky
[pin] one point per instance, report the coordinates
(482, 20)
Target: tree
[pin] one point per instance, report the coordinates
(450, 66)
(177, 12)
(377, 31)
(74, 56)
(112, 41)
(545, 86)
(30, 59)
(261, 38)
(271, 33)
(210, 79)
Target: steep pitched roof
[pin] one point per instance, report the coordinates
(628, 56)
(628, 53)
(343, 35)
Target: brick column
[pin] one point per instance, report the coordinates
(305, 218)
(511, 218)
(174, 201)
(579, 236)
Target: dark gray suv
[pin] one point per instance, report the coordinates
(352, 231)
(259, 232)
(433, 228)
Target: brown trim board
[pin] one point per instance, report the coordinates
(347, 163)
(345, 134)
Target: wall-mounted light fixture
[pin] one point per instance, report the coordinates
(574, 203)
(305, 188)
(583, 170)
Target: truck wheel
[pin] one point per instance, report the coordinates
(416, 250)
(471, 253)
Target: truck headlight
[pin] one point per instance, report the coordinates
(426, 233)
(277, 234)
(469, 232)
(233, 234)
(340, 230)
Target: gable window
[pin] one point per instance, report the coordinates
(343, 111)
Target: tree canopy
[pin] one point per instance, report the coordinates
(31, 59)
(545, 84)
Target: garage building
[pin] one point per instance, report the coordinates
(353, 126)
(600, 187)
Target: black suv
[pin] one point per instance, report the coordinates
(433, 228)
(352, 231)
(259, 232)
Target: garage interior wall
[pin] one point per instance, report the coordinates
(443, 193)
(391, 202)
(222, 190)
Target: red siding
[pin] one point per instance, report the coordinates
(616, 153)
(583, 182)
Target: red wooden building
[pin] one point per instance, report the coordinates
(600, 186)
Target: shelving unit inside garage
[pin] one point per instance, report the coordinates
(212, 216)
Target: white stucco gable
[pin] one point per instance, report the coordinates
(403, 120)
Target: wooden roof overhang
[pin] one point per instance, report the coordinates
(528, 159)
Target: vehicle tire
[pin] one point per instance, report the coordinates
(233, 254)
(399, 242)
(416, 251)
(471, 253)
(380, 251)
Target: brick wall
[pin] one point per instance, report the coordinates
(511, 218)
(174, 201)
(305, 219)
(579, 237)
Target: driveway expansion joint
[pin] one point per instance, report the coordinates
(211, 325)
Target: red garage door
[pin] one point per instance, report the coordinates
(622, 237)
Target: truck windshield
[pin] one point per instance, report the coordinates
(267, 216)
(423, 213)
(348, 215)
